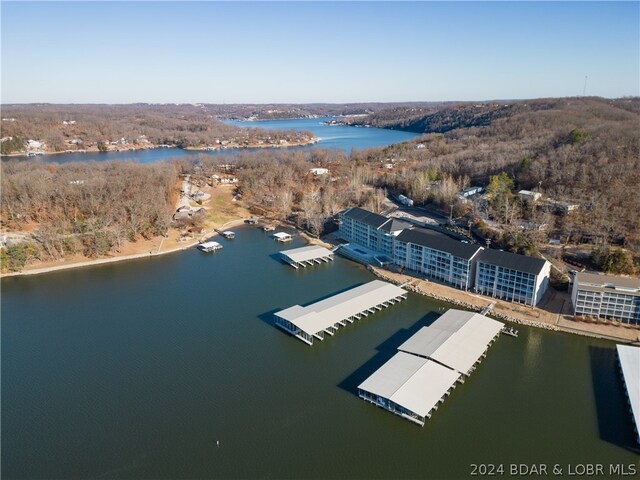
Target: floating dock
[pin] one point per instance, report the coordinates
(209, 246)
(282, 237)
(409, 386)
(326, 316)
(228, 234)
(268, 228)
(629, 360)
(458, 340)
(306, 256)
(417, 379)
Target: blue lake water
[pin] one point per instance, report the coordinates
(338, 137)
(136, 370)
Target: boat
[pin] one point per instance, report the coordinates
(228, 234)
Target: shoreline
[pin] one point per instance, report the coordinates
(415, 285)
(101, 261)
(313, 141)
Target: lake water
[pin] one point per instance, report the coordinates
(338, 137)
(138, 369)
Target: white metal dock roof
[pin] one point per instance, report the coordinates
(308, 253)
(412, 382)
(326, 313)
(209, 244)
(457, 339)
(630, 363)
(282, 235)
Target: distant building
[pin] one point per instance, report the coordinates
(606, 296)
(319, 171)
(512, 277)
(565, 207)
(471, 191)
(436, 255)
(529, 196)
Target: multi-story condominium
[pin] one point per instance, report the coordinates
(427, 252)
(371, 230)
(512, 277)
(606, 296)
(437, 256)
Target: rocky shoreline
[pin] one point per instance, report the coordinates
(498, 316)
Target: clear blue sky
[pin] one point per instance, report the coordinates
(122, 52)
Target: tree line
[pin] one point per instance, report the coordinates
(88, 208)
(77, 127)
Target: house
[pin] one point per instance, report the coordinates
(34, 144)
(529, 196)
(565, 207)
(319, 171)
(606, 296)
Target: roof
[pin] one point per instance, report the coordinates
(630, 363)
(395, 225)
(414, 383)
(281, 235)
(326, 313)
(601, 281)
(513, 261)
(209, 244)
(457, 339)
(439, 241)
(304, 254)
(365, 216)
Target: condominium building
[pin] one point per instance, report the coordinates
(370, 230)
(437, 256)
(606, 296)
(512, 277)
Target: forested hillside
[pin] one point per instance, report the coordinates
(97, 127)
(583, 151)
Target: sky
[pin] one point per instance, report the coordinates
(303, 52)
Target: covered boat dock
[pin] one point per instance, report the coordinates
(282, 237)
(306, 256)
(458, 340)
(629, 358)
(209, 246)
(409, 386)
(326, 316)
